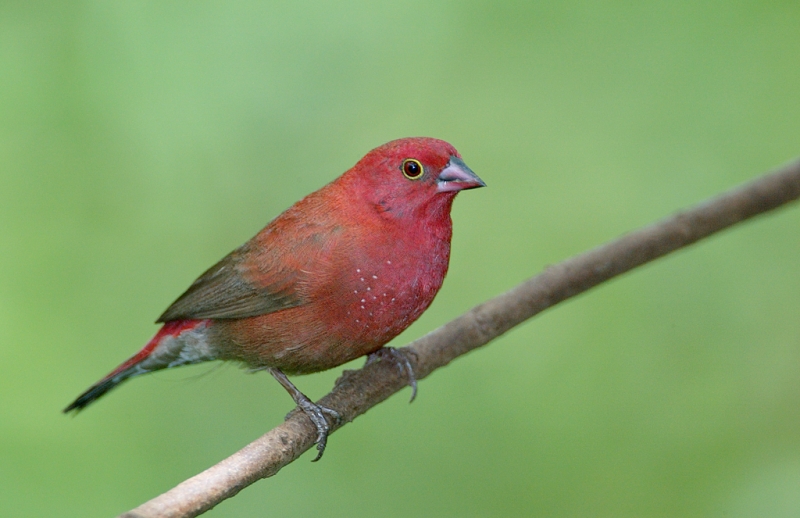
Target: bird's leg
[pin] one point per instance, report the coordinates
(314, 412)
(400, 359)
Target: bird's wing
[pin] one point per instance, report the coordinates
(226, 290)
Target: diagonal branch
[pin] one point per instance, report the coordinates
(358, 391)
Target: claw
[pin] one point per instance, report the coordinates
(316, 414)
(400, 359)
(314, 411)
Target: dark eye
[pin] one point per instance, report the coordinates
(412, 169)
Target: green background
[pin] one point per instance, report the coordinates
(142, 141)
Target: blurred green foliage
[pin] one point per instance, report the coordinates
(141, 141)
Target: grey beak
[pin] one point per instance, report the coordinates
(457, 176)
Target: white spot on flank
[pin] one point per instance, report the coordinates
(363, 300)
(189, 346)
(362, 279)
(362, 307)
(392, 299)
(369, 289)
(358, 270)
(388, 262)
(374, 276)
(355, 291)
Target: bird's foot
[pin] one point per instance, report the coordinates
(317, 413)
(401, 360)
(314, 411)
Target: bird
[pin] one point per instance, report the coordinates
(333, 278)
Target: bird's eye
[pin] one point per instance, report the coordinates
(412, 169)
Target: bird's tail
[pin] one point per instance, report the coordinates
(180, 342)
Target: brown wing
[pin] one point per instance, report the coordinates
(226, 291)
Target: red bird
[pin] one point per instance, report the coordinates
(335, 277)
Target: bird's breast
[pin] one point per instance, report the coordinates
(385, 287)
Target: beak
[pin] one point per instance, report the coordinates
(457, 177)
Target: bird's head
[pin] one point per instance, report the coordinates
(405, 177)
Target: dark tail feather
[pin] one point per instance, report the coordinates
(131, 367)
(97, 390)
(167, 346)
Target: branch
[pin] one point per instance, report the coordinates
(358, 391)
